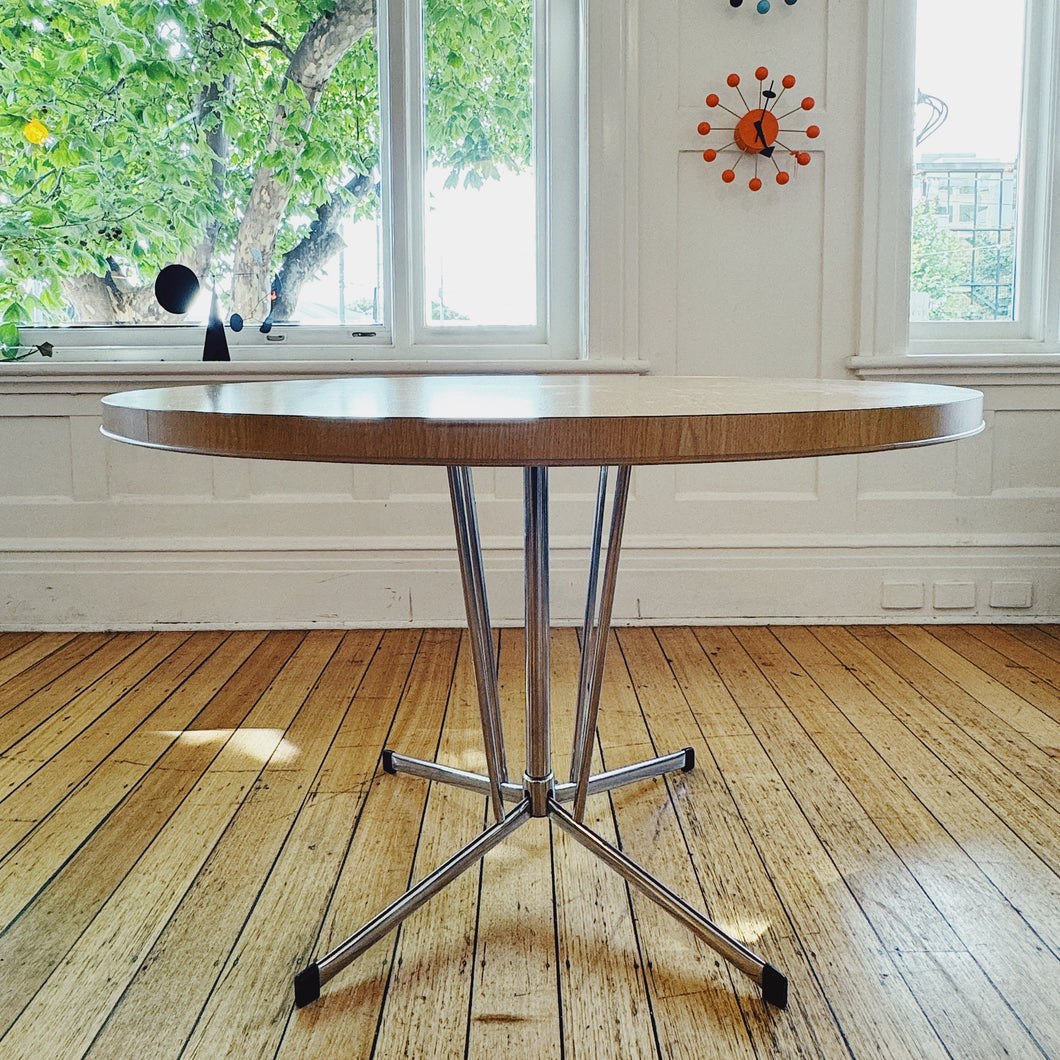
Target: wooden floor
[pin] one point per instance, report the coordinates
(186, 820)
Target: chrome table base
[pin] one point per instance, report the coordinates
(539, 794)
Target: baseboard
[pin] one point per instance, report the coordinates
(348, 589)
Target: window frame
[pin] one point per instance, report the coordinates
(560, 149)
(889, 345)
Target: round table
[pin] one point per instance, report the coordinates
(537, 422)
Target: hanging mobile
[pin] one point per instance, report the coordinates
(757, 130)
(762, 7)
(175, 288)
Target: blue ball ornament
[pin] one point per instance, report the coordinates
(763, 7)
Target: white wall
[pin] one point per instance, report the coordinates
(688, 274)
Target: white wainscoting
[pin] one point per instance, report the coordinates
(100, 535)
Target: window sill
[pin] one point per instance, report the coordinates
(104, 377)
(962, 369)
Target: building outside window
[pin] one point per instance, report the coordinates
(963, 239)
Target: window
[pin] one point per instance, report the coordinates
(347, 179)
(966, 161)
(962, 247)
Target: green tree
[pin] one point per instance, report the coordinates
(940, 267)
(962, 279)
(235, 137)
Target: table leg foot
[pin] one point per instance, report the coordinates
(307, 986)
(774, 987)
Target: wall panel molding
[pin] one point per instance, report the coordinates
(234, 589)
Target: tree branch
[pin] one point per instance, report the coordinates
(325, 42)
(275, 41)
(323, 240)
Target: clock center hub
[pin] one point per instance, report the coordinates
(756, 130)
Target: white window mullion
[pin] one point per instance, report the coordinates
(414, 179)
(394, 65)
(562, 220)
(1041, 128)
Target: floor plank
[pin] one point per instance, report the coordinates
(515, 1007)
(362, 875)
(599, 948)
(187, 819)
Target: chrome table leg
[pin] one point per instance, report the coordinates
(774, 985)
(595, 634)
(539, 793)
(395, 763)
(308, 982)
(538, 778)
(469, 548)
(615, 778)
(461, 778)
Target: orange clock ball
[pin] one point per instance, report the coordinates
(754, 184)
(713, 99)
(783, 178)
(729, 176)
(732, 80)
(813, 131)
(789, 81)
(803, 158)
(703, 128)
(709, 154)
(808, 103)
(762, 73)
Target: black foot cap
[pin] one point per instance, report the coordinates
(307, 986)
(690, 760)
(774, 987)
(388, 763)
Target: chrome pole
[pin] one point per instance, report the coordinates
(469, 549)
(685, 760)
(434, 771)
(581, 714)
(538, 777)
(581, 767)
(774, 984)
(307, 983)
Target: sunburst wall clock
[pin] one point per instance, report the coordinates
(756, 134)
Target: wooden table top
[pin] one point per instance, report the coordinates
(513, 420)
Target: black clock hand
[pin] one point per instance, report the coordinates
(767, 149)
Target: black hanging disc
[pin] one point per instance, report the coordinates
(176, 288)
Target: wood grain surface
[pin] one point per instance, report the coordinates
(185, 819)
(538, 420)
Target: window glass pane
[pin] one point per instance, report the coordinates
(136, 134)
(480, 209)
(969, 70)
